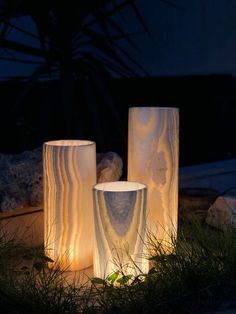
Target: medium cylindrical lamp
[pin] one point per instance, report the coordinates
(120, 222)
(69, 175)
(153, 154)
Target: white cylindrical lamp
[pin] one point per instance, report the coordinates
(153, 155)
(69, 175)
(120, 222)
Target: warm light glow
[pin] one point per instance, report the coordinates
(69, 143)
(69, 175)
(120, 221)
(120, 186)
(153, 153)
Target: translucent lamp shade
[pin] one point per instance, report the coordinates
(69, 175)
(153, 155)
(120, 221)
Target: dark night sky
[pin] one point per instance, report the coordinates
(198, 38)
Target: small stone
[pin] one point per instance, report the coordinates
(109, 167)
(18, 174)
(195, 202)
(222, 214)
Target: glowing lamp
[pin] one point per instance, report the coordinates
(153, 153)
(69, 175)
(120, 221)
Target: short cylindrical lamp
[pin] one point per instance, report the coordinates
(120, 221)
(153, 154)
(69, 175)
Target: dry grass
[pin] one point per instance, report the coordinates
(199, 275)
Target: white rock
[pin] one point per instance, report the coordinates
(109, 167)
(222, 213)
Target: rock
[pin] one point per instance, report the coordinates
(222, 214)
(21, 180)
(21, 177)
(195, 202)
(109, 167)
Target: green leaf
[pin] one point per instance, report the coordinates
(123, 280)
(98, 281)
(112, 278)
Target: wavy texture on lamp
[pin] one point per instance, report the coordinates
(153, 154)
(120, 221)
(69, 175)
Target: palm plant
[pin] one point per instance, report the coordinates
(78, 43)
(67, 32)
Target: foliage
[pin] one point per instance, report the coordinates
(67, 32)
(198, 276)
(81, 44)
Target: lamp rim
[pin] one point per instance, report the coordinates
(152, 107)
(116, 186)
(69, 143)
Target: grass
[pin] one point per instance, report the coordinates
(199, 276)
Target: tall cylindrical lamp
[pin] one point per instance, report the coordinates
(120, 221)
(153, 154)
(69, 175)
